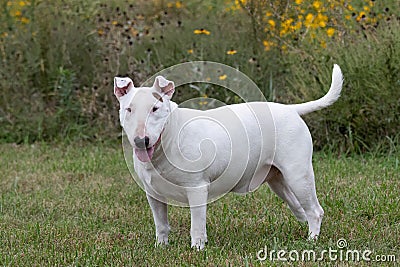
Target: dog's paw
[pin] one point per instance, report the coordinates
(199, 243)
(162, 240)
(312, 237)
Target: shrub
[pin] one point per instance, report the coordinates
(59, 59)
(366, 117)
(48, 56)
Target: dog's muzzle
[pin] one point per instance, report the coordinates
(141, 143)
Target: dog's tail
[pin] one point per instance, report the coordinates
(327, 100)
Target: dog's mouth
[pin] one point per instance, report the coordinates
(145, 155)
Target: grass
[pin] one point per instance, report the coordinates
(76, 205)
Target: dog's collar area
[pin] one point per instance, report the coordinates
(158, 140)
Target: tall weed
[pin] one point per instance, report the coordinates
(58, 59)
(367, 113)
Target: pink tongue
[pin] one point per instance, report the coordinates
(144, 155)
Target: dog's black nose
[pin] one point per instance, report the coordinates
(141, 143)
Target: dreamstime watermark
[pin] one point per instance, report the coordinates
(339, 253)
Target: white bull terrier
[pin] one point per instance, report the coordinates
(192, 157)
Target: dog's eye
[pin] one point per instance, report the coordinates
(129, 109)
(155, 109)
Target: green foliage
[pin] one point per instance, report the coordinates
(366, 117)
(59, 59)
(48, 64)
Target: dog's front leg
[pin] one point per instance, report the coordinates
(198, 209)
(160, 215)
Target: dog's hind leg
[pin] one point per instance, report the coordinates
(300, 180)
(278, 185)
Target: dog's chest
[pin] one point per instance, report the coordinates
(225, 156)
(168, 182)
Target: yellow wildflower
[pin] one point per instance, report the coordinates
(297, 26)
(330, 32)
(298, 2)
(286, 26)
(24, 20)
(239, 3)
(317, 5)
(272, 23)
(114, 22)
(321, 20)
(169, 5)
(223, 77)
(309, 20)
(361, 16)
(18, 13)
(202, 103)
(202, 31)
(231, 52)
(100, 32)
(268, 45)
(178, 4)
(190, 51)
(268, 14)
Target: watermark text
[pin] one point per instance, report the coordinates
(338, 253)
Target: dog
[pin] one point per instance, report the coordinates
(192, 157)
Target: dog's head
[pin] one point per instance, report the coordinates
(144, 112)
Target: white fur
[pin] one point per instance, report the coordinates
(330, 98)
(204, 154)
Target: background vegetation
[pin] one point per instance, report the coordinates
(58, 59)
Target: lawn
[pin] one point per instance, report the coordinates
(64, 205)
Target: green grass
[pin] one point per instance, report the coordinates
(77, 205)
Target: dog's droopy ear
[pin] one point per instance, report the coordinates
(164, 86)
(122, 85)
